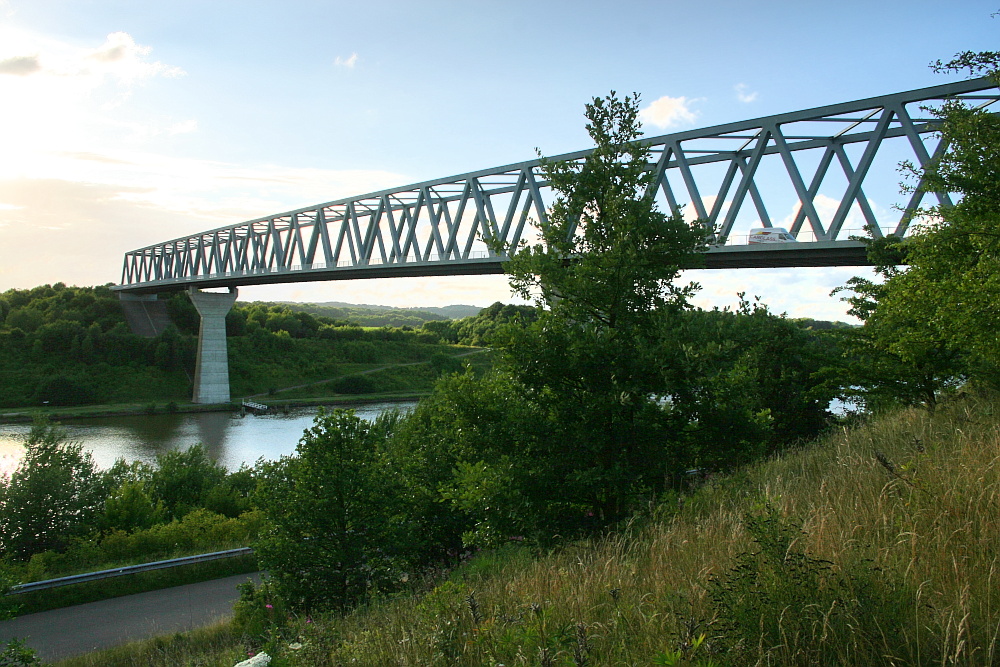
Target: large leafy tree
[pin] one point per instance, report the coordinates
(608, 256)
(605, 271)
(614, 387)
(934, 323)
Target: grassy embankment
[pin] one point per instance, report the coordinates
(340, 383)
(878, 544)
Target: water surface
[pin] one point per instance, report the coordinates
(230, 439)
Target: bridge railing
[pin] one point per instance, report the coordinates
(810, 171)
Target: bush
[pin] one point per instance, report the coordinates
(184, 479)
(260, 611)
(54, 494)
(339, 529)
(131, 507)
(63, 391)
(353, 384)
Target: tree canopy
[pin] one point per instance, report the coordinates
(933, 323)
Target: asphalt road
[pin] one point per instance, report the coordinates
(62, 633)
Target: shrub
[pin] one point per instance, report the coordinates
(54, 494)
(183, 479)
(353, 384)
(63, 391)
(339, 529)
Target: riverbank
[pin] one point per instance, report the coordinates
(28, 415)
(308, 395)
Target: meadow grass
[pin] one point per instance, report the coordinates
(876, 545)
(213, 646)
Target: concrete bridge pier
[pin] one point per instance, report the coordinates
(211, 374)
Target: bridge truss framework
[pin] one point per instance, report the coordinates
(438, 227)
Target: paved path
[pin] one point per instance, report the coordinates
(70, 631)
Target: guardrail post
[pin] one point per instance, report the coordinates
(211, 375)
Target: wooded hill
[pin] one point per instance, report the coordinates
(64, 345)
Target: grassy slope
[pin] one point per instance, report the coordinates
(905, 508)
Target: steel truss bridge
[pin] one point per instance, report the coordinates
(734, 176)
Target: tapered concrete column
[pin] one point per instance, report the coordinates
(211, 373)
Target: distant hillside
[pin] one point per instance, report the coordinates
(820, 325)
(454, 312)
(370, 315)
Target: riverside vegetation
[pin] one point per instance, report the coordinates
(70, 346)
(628, 484)
(876, 545)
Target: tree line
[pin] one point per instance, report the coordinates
(66, 345)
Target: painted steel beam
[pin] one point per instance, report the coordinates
(440, 227)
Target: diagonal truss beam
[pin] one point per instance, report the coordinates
(442, 227)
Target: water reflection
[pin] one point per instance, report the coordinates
(230, 439)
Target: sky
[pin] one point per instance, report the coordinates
(125, 123)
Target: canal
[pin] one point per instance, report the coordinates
(230, 439)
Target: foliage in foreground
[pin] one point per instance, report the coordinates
(931, 325)
(338, 522)
(600, 400)
(61, 515)
(845, 552)
(875, 546)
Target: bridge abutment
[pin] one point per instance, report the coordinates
(211, 375)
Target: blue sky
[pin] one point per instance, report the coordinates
(126, 122)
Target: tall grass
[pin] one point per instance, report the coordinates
(877, 545)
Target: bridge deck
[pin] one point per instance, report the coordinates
(774, 255)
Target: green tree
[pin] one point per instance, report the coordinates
(933, 324)
(878, 370)
(55, 493)
(338, 525)
(131, 507)
(183, 480)
(743, 384)
(606, 271)
(480, 446)
(608, 256)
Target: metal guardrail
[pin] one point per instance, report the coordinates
(130, 569)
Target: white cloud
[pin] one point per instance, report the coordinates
(428, 291)
(122, 58)
(20, 65)
(743, 93)
(669, 112)
(72, 97)
(349, 62)
(798, 292)
(81, 211)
